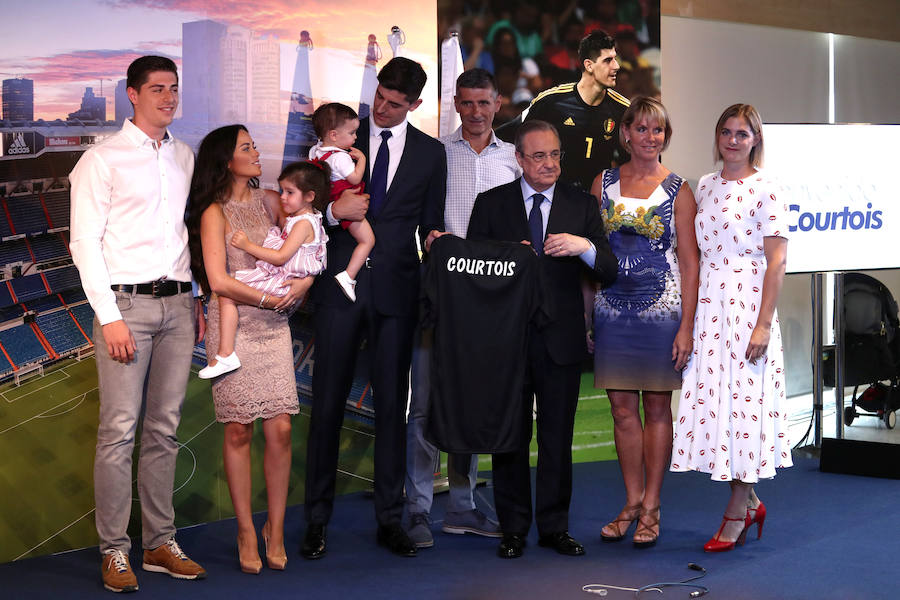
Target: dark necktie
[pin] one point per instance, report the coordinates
(536, 223)
(378, 181)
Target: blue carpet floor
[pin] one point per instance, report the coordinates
(827, 536)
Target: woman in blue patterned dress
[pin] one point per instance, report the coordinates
(643, 322)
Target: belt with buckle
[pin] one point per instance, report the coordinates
(157, 289)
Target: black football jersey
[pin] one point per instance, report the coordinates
(589, 135)
(481, 297)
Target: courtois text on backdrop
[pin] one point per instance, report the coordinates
(839, 184)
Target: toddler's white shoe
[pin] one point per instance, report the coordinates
(348, 286)
(224, 364)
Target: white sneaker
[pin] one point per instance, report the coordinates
(224, 364)
(348, 286)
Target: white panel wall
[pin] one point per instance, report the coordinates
(709, 65)
(867, 80)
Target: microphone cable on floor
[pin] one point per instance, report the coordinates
(700, 590)
(601, 589)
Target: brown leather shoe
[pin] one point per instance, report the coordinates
(117, 573)
(169, 558)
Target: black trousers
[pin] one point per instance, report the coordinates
(338, 331)
(555, 387)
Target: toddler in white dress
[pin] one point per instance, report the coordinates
(296, 250)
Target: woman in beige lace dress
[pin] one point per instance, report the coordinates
(224, 198)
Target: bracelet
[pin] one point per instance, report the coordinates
(262, 300)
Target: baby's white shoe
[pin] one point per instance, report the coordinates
(348, 286)
(224, 364)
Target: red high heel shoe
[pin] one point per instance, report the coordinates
(759, 518)
(717, 545)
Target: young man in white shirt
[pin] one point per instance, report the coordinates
(129, 242)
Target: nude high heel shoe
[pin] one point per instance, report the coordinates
(251, 565)
(275, 562)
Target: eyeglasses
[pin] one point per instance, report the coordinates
(538, 157)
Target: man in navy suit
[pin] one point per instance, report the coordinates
(406, 179)
(564, 226)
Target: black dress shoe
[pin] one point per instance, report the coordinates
(313, 542)
(511, 546)
(562, 542)
(395, 539)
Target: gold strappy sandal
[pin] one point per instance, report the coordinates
(631, 514)
(645, 527)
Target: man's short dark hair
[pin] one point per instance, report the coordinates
(331, 116)
(593, 44)
(139, 70)
(476, 79)
(532, 126)
(404, 76)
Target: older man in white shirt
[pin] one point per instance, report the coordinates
(129, 242)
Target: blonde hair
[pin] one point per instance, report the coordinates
(754, 121)
(644, 107)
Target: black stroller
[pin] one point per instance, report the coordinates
(871, 349)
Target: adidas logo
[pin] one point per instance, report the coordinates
(19, 146)
(569, 122)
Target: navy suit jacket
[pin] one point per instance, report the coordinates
(499, 214)
(414, 199)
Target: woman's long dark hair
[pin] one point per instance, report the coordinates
(211, 183)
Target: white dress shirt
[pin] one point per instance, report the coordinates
(589, 256)
(396, 143)
(469, 173)
(128, 198)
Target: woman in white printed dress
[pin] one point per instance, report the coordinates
(731, 419)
